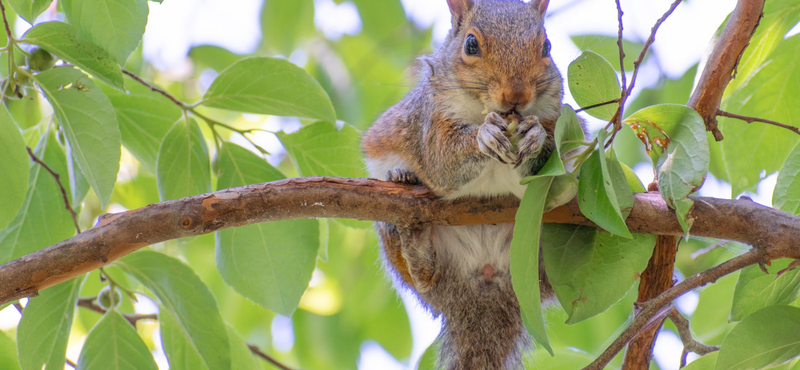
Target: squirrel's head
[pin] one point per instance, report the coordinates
(499, 54)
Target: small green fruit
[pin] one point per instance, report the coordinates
(563, 189)
(40, 60)
(108, 298)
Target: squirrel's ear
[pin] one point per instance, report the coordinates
(459, 8)
(541, 6)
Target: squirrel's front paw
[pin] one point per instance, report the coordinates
(492, 141)
(402, 176)
(533, 137)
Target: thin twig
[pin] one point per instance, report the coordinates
(626, 91)
(685, 333)
(71, 363)
(747, 119)
(597, 105)
(5, 21)
(154, 88)
(88, 303)
(60, 185)
(256, 351)
(621, 49)
(18, 306)
(656, 305)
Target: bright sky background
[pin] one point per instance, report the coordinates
(176, 25)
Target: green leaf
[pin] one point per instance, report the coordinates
(214, 57)
(428, 359)
(525, 258)
(241, 356)
(752, 149)
(29, 9)
(764, 339)
(607, 47)
(77, 181)
(269, 263)
(756, 290)
(187, 300)
(592, 80)
(144, 119)
(381, 20)
(322, 150)
(43, 220)
(633, 180)
(8, 353)
(182, 167)
(706, 322)
(568, 130)
(269, 86)
(602, 183)
(115, 25)
(683, 168)
(44, 328)
(90, 125)
(181, 352)
(590, 270)
(62, 39)
(779, 17)
(114, 344)
(786, 196)
(14, 168)
(565, 359)
(285, 22)
(706, 362)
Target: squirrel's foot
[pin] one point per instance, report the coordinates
(532, 141)
(419, 255)
(402, 176)
(493, 142)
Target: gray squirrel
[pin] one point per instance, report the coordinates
(492, 83)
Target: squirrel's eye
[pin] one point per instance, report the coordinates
(546, 49)
(471, 45)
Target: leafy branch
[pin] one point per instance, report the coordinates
(57, 177)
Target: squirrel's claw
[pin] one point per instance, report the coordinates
(532, 141)
(492, 141)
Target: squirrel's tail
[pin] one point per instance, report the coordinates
(483, 334)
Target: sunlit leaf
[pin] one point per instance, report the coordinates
(525, 259)
(786, 196)
(13, 166)
(44, 329)
(269, 86)
(114, 344)
(189, 302)
(115, 25)
(756, 149)
(183, 166)
(8, 353)
(756, 290)
(269, 263)
(89, 122)
(590, 270)
(62, 40)
(285, 22)
(241, 356)
(29, 9)
(592, 80)
(764, 339)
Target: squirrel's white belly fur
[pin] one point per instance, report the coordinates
(472, 246)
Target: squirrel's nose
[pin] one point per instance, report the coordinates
(515, 97)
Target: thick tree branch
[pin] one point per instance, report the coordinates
(721, 65)
(116, 235)
(656, 278)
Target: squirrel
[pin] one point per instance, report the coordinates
(454, 133)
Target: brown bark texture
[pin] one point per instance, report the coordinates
(116, 235)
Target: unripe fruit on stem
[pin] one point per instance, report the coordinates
(40, 60)
(108, 298)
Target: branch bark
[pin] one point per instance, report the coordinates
(116, 235)
(721, 65)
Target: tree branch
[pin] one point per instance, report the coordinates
(116, 235)
(685, 333)
(723, 60)
(747, 119)
(88, 303)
